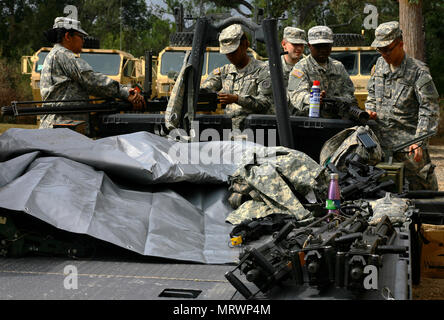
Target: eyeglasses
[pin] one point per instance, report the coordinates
(81, 36)
(386, 50)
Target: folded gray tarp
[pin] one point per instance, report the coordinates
(143, 192)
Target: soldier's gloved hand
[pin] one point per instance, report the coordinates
(136, 99)
(226, 98)
(373, 115)
(417, 150)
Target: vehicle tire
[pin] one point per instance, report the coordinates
(181, 39)
(348, 40)
(91, 43)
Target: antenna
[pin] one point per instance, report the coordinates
(121, 9)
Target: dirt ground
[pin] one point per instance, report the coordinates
(433, 288)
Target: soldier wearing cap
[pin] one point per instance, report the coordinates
(334, 79)
(293, 43)
(403, 101)
(243, 85)
(65, 76)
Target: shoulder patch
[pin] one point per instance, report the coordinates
(297, 73)
(217, 71)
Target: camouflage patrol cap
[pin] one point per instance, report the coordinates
(294, 35)
(385, 33)
(229, 38)
(68, 24)
(320, 34)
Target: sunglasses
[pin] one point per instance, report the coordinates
(322, 46)
(81, 36)
(387, 50)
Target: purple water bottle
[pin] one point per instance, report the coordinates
(334, 195)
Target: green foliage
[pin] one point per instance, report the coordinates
(433, 12)
(25, 21)
(13, 87)
(141, 25)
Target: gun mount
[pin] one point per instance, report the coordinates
(206, 32)
(332, 251)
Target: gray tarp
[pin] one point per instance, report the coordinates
(136, 191)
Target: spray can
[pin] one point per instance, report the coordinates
(315, 100)
(334, 195)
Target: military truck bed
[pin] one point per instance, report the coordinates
(130, 277)
(41, 278)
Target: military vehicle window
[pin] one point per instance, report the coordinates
(216, 60)
(39, 65)
(368, 60)
(171, 62)
(106, 63)
(349, 59)
(128, 71)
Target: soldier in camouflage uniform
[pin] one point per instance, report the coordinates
(293, 42)
(244, 85)
(403, 101)
(65, 76)
(334, 79)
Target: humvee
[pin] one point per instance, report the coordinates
(170, 61)
(358, 59)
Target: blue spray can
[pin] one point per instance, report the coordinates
(315, 100)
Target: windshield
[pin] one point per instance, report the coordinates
(216, 60)
(39, 65)
(349, 59)
(171, 62)
(368, 60)
(106, 63)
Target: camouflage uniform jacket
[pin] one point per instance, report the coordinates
(406, 101)
(334, 80)
(252, 84)
(271, 180)
(286, 68)
(67, 77)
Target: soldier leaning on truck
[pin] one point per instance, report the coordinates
(244, 85)
(334, 79)
(65, 76)
(403, 101)
(292, 42)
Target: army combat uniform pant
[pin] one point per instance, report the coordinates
(420, 175)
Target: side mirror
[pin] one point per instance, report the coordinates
(26, 65)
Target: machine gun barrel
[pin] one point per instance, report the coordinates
(390, 151)
(82, 107)
(352, 110)
(415, 140)
(207, 101)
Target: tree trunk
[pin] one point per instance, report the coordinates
(411, 23)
